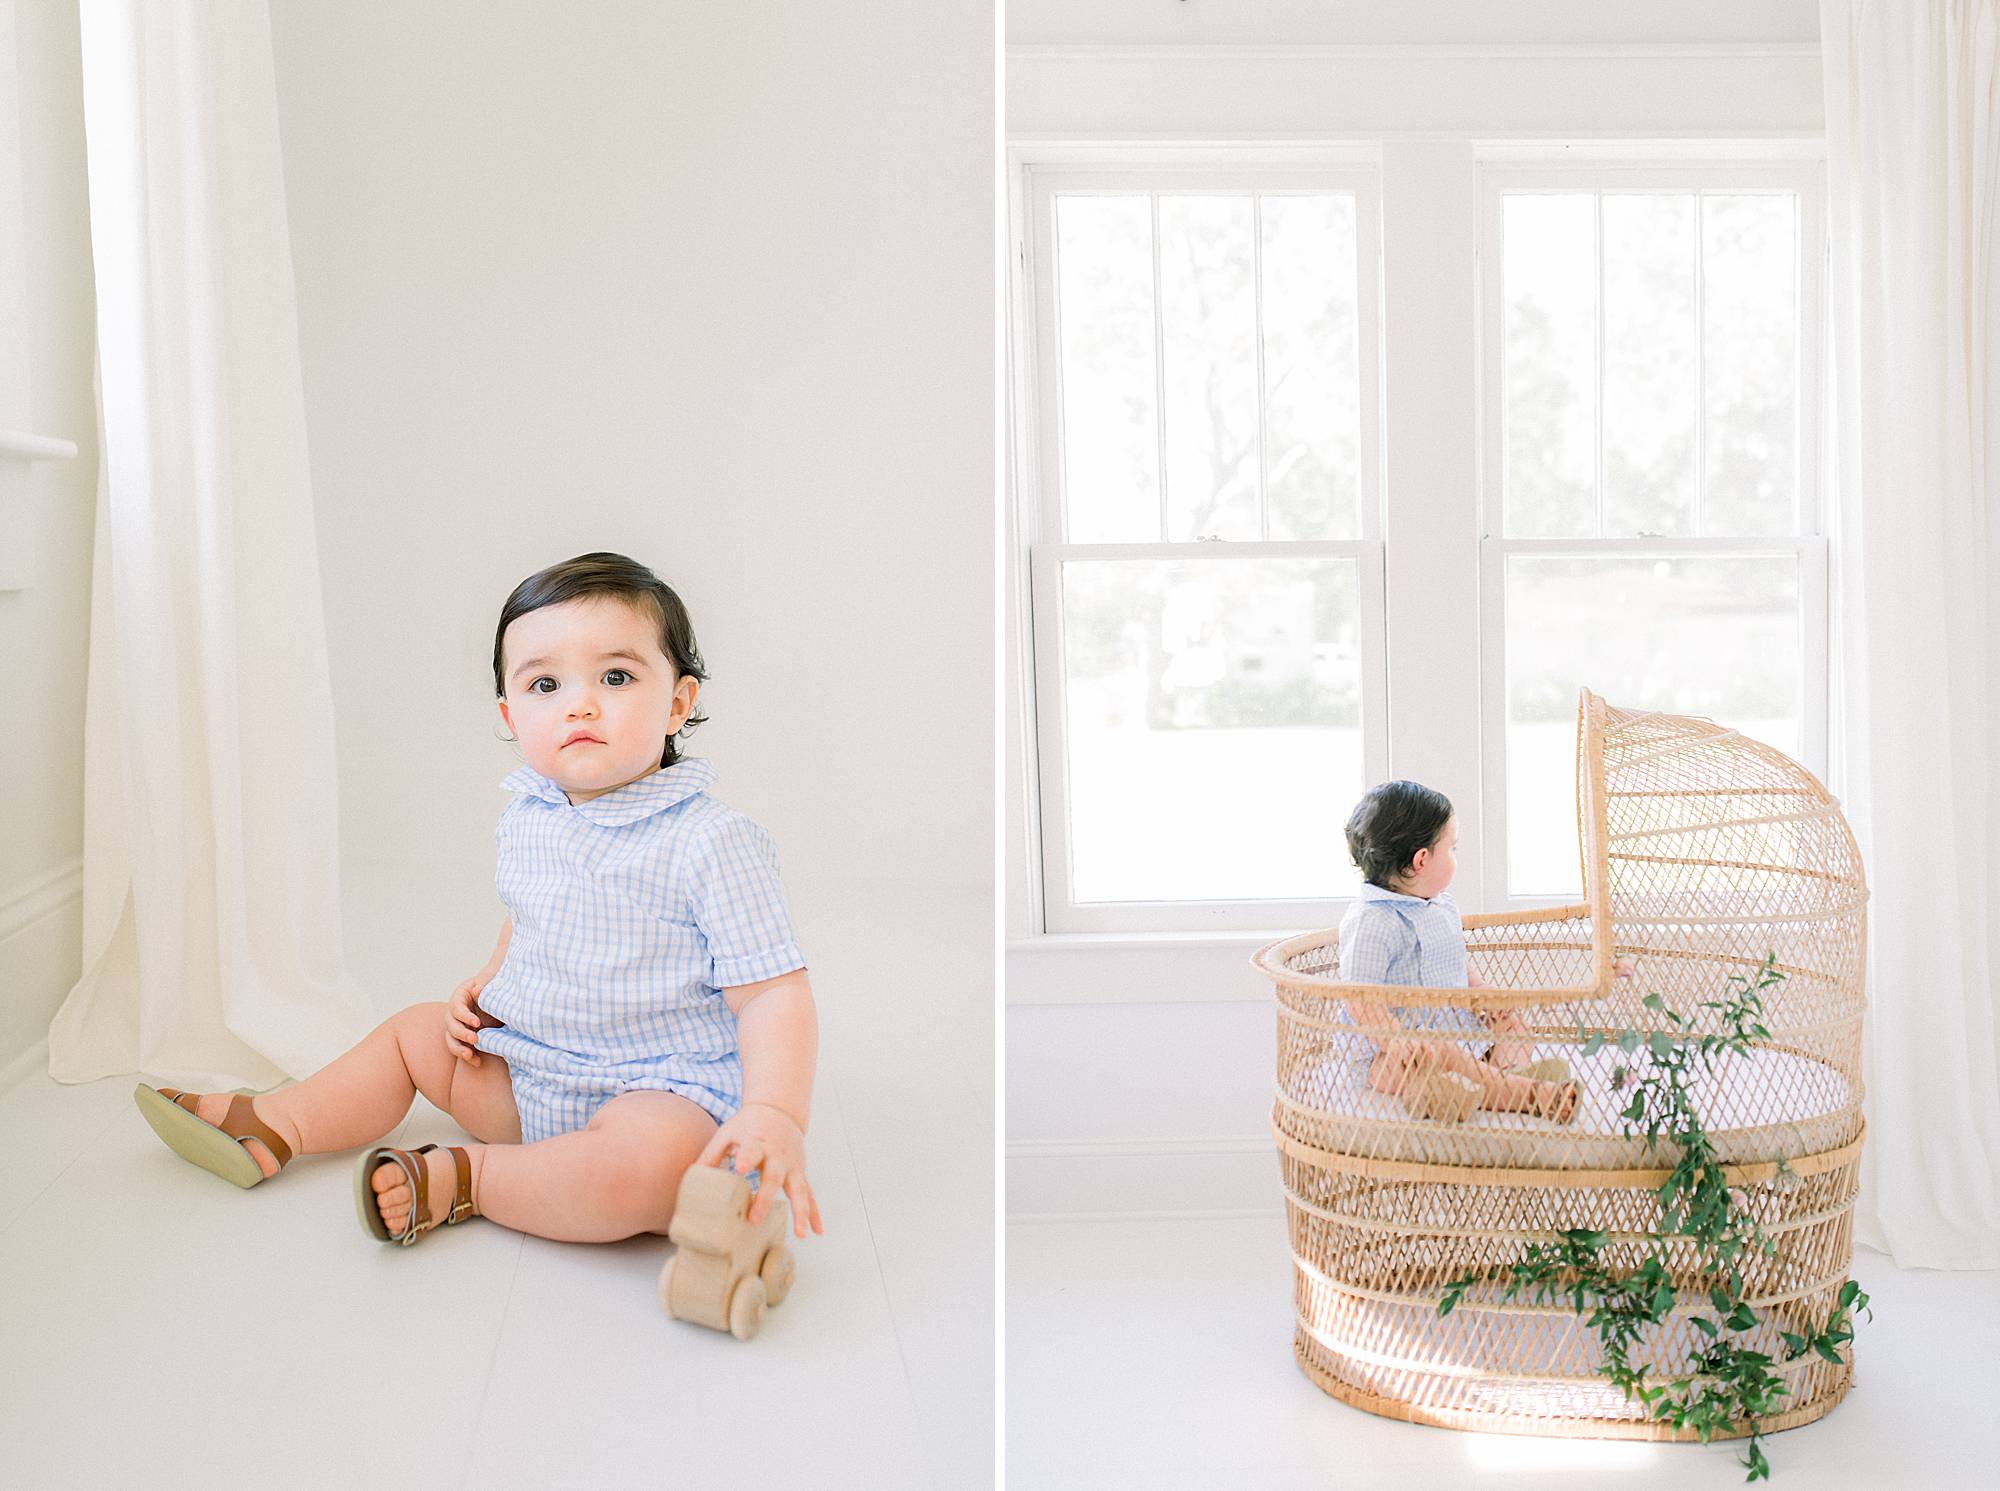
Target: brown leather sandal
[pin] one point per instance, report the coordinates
(217, 1148)
(417, 1173)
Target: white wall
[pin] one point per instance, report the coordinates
(709, 286)
(1139, 1072)
(47, 326)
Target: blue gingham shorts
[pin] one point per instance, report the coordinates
(562, 1095)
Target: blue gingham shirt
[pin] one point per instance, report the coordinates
(1390, 938)
(632, 912)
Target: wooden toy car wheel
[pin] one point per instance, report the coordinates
(667, 1284)
(746, 1309)
(776, 1272)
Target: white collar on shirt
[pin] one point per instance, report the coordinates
(1370, 891)
(650, 794)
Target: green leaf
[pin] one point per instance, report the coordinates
(1653, 1001)
(1848, 1291)
(1662, 1044)
(1628, 1041)
(1794, 1345)
(1594, 1044)
(1706, 1326)
(1820, 1345)
(1760, 1468)
(1722, 1302)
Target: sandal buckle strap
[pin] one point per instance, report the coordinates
(461, 1204)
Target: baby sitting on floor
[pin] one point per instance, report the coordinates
(1404, 928)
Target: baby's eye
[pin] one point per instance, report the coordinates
(619, 671)
(536, 686)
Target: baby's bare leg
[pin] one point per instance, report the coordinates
(1500, 1091)
(615, 1179)
(357, 1098)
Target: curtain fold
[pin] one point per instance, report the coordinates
(212, 948)
(1913, 178)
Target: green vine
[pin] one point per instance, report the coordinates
(1727, 1383)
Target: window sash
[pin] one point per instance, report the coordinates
(1061, 911)
(1046, 182)
(1812, 553)
(1723, 179)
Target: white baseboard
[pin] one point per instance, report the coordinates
(1098, 1179)
(41, 947)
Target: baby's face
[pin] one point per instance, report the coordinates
(591, 667)
(1433, 868)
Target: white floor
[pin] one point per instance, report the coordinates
(1159, 1353)
(160, 1327)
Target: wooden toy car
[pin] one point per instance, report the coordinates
(725, 1271)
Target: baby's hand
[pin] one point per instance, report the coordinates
(768, 1139)
(464, 1019)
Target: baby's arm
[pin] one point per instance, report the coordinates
(777, 1033)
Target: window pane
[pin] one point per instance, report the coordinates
(1214, 713)
(1110, 431)
(1549, 272)
(1706, 636)
(1651, 384)
(1209, 302)
(1312, 374)
(1750, 364)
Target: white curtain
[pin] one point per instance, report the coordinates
(212, 949)
(1913, 174)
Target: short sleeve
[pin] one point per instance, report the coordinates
(1369, 944)
(739, 905)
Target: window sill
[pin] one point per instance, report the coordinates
(1137, 967)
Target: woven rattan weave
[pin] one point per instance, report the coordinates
(1702, 853)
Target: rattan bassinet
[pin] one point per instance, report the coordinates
(1703, 851)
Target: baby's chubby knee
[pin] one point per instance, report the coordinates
(427, 1018)
(652, 1137)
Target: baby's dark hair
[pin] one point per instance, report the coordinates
(628, 580)
(1390, 824)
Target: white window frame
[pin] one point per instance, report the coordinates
(1809, 546)
(1041, 501)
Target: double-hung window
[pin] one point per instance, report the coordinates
(1650, 351)
(1205, 561)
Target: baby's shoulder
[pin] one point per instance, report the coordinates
(704, 830)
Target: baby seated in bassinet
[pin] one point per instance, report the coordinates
(1404, 928)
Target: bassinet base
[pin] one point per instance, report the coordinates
(1305, 1350)
(1374, 1244)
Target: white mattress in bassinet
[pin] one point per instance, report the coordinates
(1760, 1107)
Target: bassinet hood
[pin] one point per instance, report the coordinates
(1700, 842)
